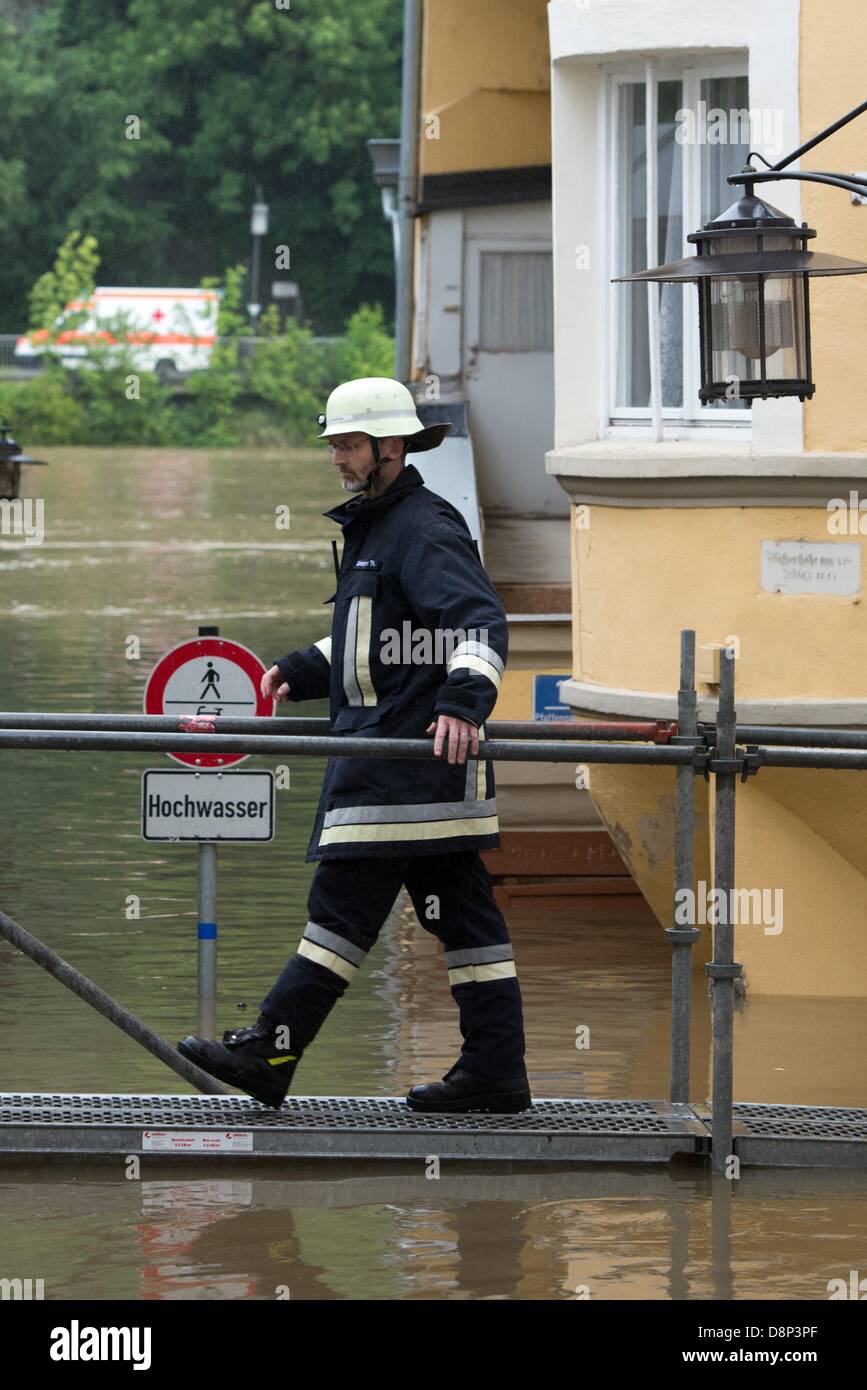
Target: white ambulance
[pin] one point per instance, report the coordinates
(167, 330)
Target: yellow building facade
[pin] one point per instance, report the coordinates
(483, 342)
(715, 520)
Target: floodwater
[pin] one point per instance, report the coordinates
(139, 548)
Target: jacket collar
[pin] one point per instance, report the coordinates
(367, 509)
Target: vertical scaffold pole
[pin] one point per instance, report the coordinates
(207, 940)
(722, 969)
(682, 936)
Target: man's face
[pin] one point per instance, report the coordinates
(352, 455)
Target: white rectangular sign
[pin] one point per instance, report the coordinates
(811, 567)
(207, 805)
(193, 1141)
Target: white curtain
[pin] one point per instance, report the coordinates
(517, 301)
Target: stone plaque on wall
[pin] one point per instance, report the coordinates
(811, 567)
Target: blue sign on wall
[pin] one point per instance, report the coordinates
(546, 698)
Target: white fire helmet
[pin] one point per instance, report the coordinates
(381, 407)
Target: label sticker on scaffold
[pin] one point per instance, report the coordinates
(196, 1141)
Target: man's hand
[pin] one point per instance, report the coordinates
(460, 734)
(273, 685)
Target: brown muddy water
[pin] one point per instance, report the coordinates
(150, 544)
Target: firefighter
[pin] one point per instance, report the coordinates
(418, 645)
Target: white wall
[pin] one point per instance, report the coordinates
(584, 35)
(510, 395)
(443, 293)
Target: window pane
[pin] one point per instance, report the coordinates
(723, 151)
(725, 147)
(670, 234)
(517, 301)
(633, 374)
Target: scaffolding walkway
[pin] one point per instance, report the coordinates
(218, 1123)
(384, 1128)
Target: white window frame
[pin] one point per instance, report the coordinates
(691, 419)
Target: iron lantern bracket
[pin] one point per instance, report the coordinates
(850, 182)
(846, 181)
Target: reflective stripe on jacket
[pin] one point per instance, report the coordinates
(418, 630)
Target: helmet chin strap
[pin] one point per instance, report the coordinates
(373, 475)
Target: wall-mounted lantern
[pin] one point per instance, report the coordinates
(753, 270)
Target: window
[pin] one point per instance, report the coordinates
(695, 151)
(517, 301)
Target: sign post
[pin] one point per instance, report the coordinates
(197, 680)
(206, 925)
(207, 941)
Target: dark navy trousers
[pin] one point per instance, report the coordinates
(452, 895)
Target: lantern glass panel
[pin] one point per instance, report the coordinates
(735, 325)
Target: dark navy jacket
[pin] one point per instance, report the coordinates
(418, 630)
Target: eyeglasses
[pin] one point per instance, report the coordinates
(335, 448)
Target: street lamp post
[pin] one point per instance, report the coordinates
(385, 158)
(258, 228)
(12, 458)
(753, 271)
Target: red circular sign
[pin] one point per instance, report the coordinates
(207, 677)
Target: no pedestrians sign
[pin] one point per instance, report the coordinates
(207, 676)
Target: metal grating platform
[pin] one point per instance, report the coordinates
(374, 1127)
(343, 1127)
(799, 1136)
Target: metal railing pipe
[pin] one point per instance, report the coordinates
(341, 746)
(811, 737)
(97, 998)
(841, 759)
(659, 730)
(650, 731)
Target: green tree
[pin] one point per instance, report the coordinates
(148, 123)
(71, 280)
(366, 347)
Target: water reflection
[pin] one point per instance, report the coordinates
(482, 1233)
(149, 544)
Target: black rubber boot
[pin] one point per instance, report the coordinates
(462, 1090)
(251, 1059)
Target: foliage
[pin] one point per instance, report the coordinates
(149, 123)
(72, 278)
(267, 390)
(366, 348)
(43, 409)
